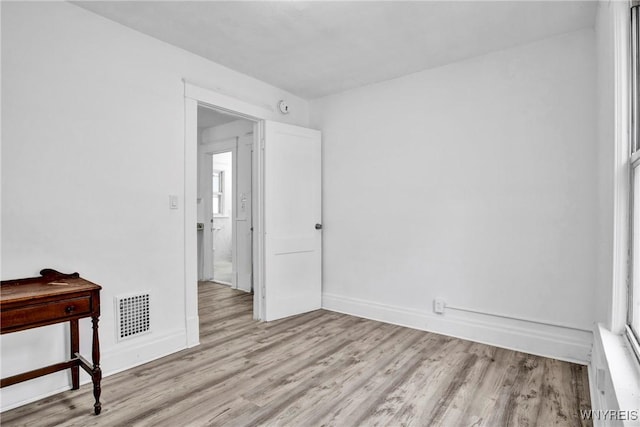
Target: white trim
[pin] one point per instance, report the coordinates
(223, 145)
(544, 340)
(519, 318)
(621, 226)
(193, 328)
(40, 396)
(225, 103)
(130, 354)
(257, 206)
(191, 218)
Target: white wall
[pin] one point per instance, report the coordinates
(92, 141)
(474, 182)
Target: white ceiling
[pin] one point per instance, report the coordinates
(208, 118)
(313, 49)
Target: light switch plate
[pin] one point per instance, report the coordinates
(173, 201)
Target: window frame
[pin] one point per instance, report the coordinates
(633, 287)
(631, 334)
(218, 194)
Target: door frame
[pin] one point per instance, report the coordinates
(220, 147)
(193, 96)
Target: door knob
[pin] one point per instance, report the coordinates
(318, 226)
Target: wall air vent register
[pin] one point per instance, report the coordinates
(133, 315)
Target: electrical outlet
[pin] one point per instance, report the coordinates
(439, 305)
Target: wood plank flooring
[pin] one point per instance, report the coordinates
(323, 369)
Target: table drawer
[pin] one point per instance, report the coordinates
(48, 312)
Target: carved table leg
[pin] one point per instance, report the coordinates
(96, 373)
(75, 348)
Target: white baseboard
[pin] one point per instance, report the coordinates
(121, 357)
(193, 331)
(557, 342)
(129, 354)
(34, 398)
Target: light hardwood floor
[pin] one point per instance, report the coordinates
(323, 369)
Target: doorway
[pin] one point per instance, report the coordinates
(286, 165)
(222, 219)
(224, 196)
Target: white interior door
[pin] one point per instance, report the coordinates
(205, 215)
(242, 213)
(292, 218)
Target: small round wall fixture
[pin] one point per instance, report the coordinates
(283, 106)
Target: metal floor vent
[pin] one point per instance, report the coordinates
(133, 315)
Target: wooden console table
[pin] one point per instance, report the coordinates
(54, 298)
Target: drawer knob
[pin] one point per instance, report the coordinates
(70, 309)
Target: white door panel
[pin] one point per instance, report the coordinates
(244, 268)
(293, 246)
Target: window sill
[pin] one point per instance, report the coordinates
(619, 361)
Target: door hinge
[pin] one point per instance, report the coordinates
(262, 143)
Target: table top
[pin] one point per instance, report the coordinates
(50, 284)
